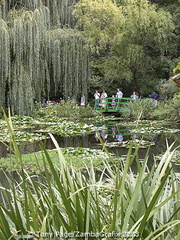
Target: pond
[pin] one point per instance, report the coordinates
(117, 137)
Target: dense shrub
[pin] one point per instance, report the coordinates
(169, 110)
(139, 109)
(168, 89)
(67, 109)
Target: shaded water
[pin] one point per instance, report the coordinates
(110, 132)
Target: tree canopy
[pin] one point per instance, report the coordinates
(41, 55)
(130, 40)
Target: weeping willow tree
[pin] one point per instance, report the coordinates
(60, 10)
(27, 31)
(38, 58)
(69, 62)
(4, 60)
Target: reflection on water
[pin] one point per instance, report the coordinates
(113, 132)
(109, 131)
(86, 141)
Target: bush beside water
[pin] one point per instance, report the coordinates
(67, 109)
(148, 109)
(139, 109)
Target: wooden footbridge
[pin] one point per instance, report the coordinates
(112, 104)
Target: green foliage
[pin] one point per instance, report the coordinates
(153, 129)
(68, 109)
(167, 89)
(66, 128)
(168, 110)
(60, 11)
(132, 42)
(177, 68)
(75, 157)
(139, 109)
(22, 137)
(37, 58)
(70, 62)
(99, 20)
(4, 58)
(176, 96)
(49, 123)
(132, 50)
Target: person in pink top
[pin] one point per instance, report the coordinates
(103, 101)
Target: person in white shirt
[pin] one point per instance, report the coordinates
(83, 101)
(97, 96)
(134, 96)
(119, 94)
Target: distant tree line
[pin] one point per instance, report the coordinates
(135, 43)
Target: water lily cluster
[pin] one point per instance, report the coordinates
(131, 143)
(85, 153)
(36, 129)
(153, 129)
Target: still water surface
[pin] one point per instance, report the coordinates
(110, 132)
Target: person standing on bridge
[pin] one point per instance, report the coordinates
(83, 101)
(134, 96)
(119, 94)
(155, 97)
(97, 96)
(103, 101)
(113, 102)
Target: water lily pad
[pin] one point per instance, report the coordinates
(69, 128)
(156, 130)
(22, 137)
(131, 143)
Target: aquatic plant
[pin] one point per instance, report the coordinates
(133, 143)
(28, 129)
(79, 158)
(23, 137)
(116, 200)
(154, 130)
(144, 122)
(67, 128)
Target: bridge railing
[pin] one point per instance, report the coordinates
(111, 104)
